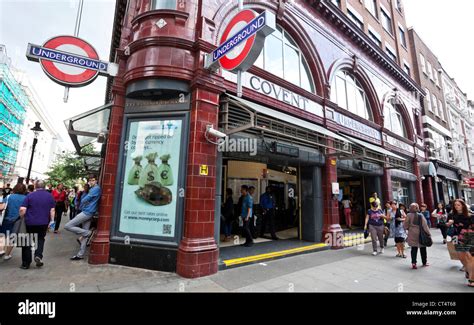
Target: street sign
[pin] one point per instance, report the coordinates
(203, 170)
(242, 41)
(70, 61)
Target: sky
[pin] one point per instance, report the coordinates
(446, 27)
(35, 21)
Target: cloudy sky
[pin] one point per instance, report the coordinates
(35, 21)
(445, 26)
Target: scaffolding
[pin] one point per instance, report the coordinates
(13, 105)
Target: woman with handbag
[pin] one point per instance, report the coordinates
(418, 233)
(441, 218)
(463, 237)
(11, 215)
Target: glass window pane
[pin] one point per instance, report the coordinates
(290, 40)
(351, 98)
(292, 66)
(274, 56)
(368, 109)
(164, 4)
(387, 113)
(341, 92)
(259, 61)
(306, 79)
(361, 111)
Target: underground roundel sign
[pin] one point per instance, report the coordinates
(242, 40)
(69, 61)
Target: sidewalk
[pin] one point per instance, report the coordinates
(348, 270)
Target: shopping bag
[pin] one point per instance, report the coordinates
(452, 251)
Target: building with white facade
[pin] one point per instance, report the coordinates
(461, 121)
(50, 143)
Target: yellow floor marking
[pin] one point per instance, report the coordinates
(254, 258)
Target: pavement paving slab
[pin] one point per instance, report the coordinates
(352, 269)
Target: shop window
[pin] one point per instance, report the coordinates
(348, 93)
(393, 119)
(163, 4)
(282, 57)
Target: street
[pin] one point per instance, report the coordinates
(347, 270)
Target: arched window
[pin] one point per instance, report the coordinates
(393, 119)
(283, 58)
(347, 92)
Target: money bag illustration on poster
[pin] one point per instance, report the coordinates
(150, 172)
(165, 172)
(135, 172)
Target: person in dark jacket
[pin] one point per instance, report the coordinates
(267, 203)
(228, 214)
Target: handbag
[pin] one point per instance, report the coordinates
(19, 227)
(366, 233)
(425, 238)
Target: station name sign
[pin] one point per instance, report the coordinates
(39, 52)
(277, 92)
(70, 61)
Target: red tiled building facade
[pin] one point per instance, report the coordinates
(333, 84)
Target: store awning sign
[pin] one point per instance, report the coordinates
(70, 61)
(242, 41)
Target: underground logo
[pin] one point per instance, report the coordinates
(242, 40)
(68, 60)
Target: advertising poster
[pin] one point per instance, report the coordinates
(150, 189)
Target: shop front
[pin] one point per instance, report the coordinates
(265, 147)
(448, 182)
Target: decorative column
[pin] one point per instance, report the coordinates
(99, 252)
(332, 231)
(418, 184)
(198, 253)
(428, 195)
(387, 193)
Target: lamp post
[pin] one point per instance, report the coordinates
(36, 130)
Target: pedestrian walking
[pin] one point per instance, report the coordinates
(414, 224)
(425, 214)
(398, 218)
(267, 204)
(60, 196)
(463, 223)
(6, 191)
(374, 223)
(228, 214)
(81, 223)
(375, 198)
(387, 223)
(12, 203)
(347, 206)
(38, 210)
(246, 215)
(253, 220)
(441, 216)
